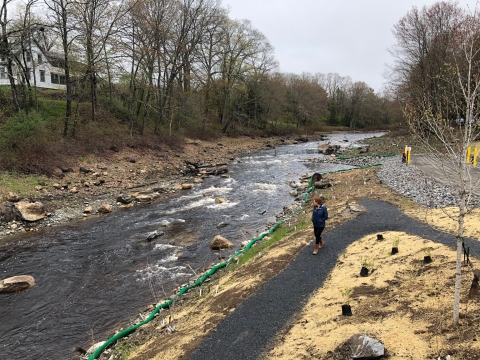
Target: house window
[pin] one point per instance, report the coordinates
(57, 79)
(40, 60)
(3, 73)
(42, 75)
(27, 74)
(4, 58)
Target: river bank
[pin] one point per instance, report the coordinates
(133, 176)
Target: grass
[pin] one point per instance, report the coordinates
(123, 350)
(268, 242)
(24, 186)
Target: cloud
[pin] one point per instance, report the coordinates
(348, 37)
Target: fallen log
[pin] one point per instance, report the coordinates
(217, 170)
(206, 169)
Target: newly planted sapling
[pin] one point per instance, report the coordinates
(396, 242)
(346, 308)
(367, 262)
(395, 245)
(427, 258)
(427, 251)
(346, 295)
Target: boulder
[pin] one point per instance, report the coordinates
(105, 209)
(187, 186)
(38, 187)
(85, 170)
(316, 177)
(94, 347)
(154, 235)
(244, 243)
(219, 242)
(12, 197)
(126, 206)
(124, 199)
(219, 200)
(30, 211)
(16, 283)
(74, 190)
(301, 139)
(88, 210)
(144, 198)
(6, 213)
(65, 169)
(197, 180)
(57, 172)
(364, 347)
(57, 186)
(222, 224)
(321, 185)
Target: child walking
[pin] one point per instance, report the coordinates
(319, 215)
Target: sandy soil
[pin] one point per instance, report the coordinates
(404, 303)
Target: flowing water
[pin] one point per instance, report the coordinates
(95, 276)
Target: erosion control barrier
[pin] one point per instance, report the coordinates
(345, 157)
(182, 291)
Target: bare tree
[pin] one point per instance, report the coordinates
(97, 23)
(6, 51)
(64, 25)
(438, 77)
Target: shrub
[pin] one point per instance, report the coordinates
(23, 128)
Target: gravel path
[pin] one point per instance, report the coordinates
(411, 182)
(252, 327)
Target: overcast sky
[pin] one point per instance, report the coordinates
(348, 37)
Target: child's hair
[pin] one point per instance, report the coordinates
(318, 200)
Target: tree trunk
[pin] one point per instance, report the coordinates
(461, 219)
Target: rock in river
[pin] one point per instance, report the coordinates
(219, 242)
(30, 211)
(16, 283)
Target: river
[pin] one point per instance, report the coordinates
(93, 277)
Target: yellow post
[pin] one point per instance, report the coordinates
(409, 150)
(475, 153)
(468, 154)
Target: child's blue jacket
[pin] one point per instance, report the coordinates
(319, 215)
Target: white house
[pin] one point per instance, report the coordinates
(46, 66)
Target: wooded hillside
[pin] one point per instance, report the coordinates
(160, 68)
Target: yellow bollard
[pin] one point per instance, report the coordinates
(468, 154)
(475, 153)
(409, 150)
